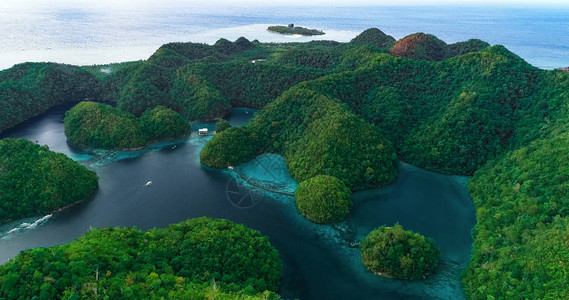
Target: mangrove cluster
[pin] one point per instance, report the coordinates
(195, 259)
(36, 181)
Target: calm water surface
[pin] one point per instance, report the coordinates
(320, 262)
(84, 32)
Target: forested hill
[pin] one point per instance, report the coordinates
(195, 259)
(36, 181)
(350, 110)
(29, 89)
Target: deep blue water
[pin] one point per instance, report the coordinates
(320, 261)
(104, 31)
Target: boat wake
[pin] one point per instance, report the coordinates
(24, 226)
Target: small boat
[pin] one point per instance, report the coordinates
(148, 183)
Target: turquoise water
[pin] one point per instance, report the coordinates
(319, 261)
(104, 31)
(432, 204)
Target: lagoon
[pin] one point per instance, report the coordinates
(320, 261)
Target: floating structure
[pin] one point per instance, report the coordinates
(205, 131)
(254, 184)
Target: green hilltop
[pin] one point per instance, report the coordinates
(196, 259)
(37, 181)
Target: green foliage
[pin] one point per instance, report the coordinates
(253, 85)
(244, 44)
(196, 98)
(386, 108)
(317, 135)
(472, 45)
(399, 253)
(221, 125)
(102, 126)
(162, 123)
(344, 146)
(455, 129)
(190, 51)
(196, 258)
(323, 199)
(375, 37)
(147, 88)
(29, 89)
(294, 30)
(226, 47)
(522, 232)
(36, 181)
(231, 147)
(545, 112)
(98, 125)
(112, 78)
(314, 57)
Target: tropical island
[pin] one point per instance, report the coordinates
(292, 29)
(195, 259)
(102, 126)
(352, 111)
(398, 253)
(36, 181)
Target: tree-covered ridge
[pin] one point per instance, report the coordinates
(189, 260)
(521, 238)
(429, 47)
(29, 89)
(316, 134)
(375, 37)
(161, 123)
(98, 125)
(36, 181)
(196, 98)
(399, 253)
(475, 114)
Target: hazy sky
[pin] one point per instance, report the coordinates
(515, 3)
(397, 2)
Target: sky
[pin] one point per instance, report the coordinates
(543, 3)
(514, 3)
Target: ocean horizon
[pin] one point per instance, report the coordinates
(86, 33)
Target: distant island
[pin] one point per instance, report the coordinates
(291, 29)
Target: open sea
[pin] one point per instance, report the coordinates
(84, 32)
